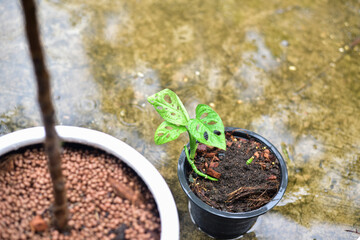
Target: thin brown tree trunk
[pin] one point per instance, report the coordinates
(52, 141)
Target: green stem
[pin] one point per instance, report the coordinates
(193, 145)
(192, 164)
(249, 160)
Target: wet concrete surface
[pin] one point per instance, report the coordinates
(286, 70)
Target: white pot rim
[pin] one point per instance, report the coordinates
(152, 178)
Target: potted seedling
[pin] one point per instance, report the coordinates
(100, 187)
(231, 176)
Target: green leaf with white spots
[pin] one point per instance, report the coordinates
(207, 127)
(167, 132)
(170, 107)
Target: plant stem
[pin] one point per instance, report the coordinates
(193, 145)
(249, 160)
(192, 164)
(52, 142)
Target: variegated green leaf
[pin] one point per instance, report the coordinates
(167, 132)
(208, 123)
(170, 107)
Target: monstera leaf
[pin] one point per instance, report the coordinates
(170, 107)
(207, 127)
(167, 132)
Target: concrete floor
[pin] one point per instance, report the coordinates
(288, 70)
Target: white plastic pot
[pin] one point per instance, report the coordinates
(146, 171)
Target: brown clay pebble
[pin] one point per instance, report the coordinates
(96, 211)
(38, 224)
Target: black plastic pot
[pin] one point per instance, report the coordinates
(227, 225)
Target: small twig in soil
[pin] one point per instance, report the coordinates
(256, 203)
(259, 200)
(125, 192)
(247, 191)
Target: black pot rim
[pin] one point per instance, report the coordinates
(242, 215)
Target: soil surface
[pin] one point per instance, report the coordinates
(241, 187)
(106, 199)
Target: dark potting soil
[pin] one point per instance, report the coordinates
(241, 187)
(107, 200)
